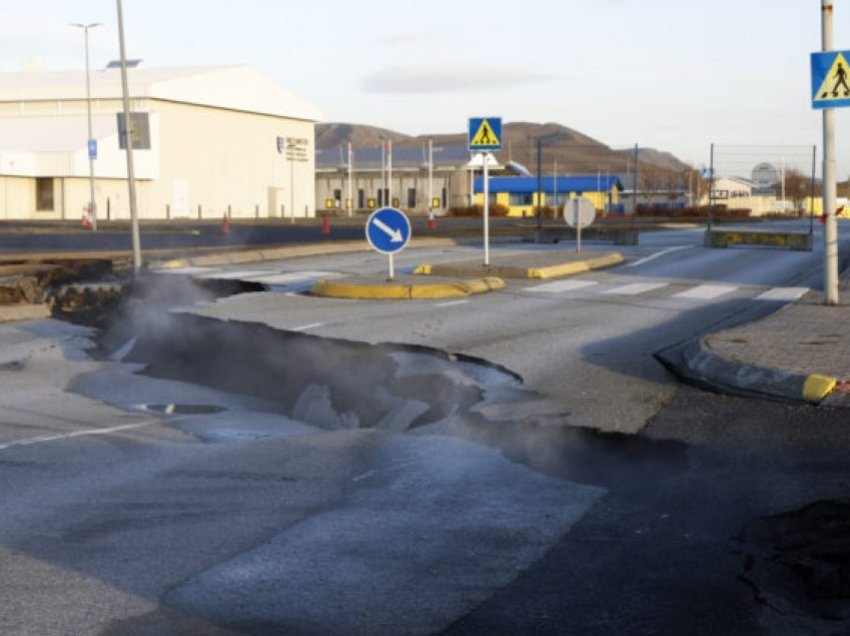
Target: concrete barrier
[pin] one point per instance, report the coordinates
(791, 240)
(616, 235)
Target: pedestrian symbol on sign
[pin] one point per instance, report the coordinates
(840, 80)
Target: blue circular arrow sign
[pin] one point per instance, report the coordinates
(388, 230)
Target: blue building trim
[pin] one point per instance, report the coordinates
(526, 185)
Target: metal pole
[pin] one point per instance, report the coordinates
(389, 172)
(830, 234)
(392, 266)
(635, 185)
(578, 225)
(131, 177)
(92, 204)
(292, 191)
(711, 187)
(812, 195)
(382, 199)
(539, 186)
(555, 187)
(430, 176)
(350, 201)
(486, 209)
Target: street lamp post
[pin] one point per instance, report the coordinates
(131, 175)
(90, 145)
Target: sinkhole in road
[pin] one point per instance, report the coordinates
(333, 384)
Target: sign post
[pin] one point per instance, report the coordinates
(830, 90)
(579, 213)
(388, 232)
(485, 135)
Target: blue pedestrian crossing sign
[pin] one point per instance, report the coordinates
(830, 79)
(485, 133)
(388, 230)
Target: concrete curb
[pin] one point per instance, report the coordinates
(282, 252)
(13, 313)
(550, 271)
(460, 289)
(695, 362)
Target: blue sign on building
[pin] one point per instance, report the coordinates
(830, 79)
(388, 230)
(92, 148)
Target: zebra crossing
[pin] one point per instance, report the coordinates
(701, 292)
(275, 280)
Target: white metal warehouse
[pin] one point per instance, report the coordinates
(213, 140)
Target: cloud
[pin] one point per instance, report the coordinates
(442, 79)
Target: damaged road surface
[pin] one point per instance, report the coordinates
(201, 472)
(183, 488)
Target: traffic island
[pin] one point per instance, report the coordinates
(404, 288)
(540, 265)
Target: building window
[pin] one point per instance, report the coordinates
(337, 195)
(44, 194)
(411, 197)
(361, 199)
(520, 198)
(380, 197)
(444, 198)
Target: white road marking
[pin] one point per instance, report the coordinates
(657, 255)
(280, 278)
(452, 303)
(237, 275)
(706, 292)
(634, 289)
(314, 325)
(788, 294)
(186, 270)
(561, 286)
(83, 433)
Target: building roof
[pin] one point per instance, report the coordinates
(578, 183)
(404, 158)
(231, 87)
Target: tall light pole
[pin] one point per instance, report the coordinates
(830, 232)
(128, 137)
(92, 144)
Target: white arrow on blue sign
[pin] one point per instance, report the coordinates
(388, 230)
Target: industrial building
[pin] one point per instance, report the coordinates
(397, 176)
(207, 141)
(519, 194)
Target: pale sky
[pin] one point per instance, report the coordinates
(673, 75)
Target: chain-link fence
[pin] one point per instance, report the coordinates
(760, 181)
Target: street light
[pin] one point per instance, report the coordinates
(91, 142)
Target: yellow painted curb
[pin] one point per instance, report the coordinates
(173, 264)
(334, 289)
(817, 387)
(552, 271)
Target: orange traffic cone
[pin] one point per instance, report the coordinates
(326, 224)
(432, 222)
(225, 225)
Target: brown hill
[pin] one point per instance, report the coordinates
(573, 151)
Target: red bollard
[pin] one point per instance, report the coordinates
(225, 225)
(326, 224)
(432, 222)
